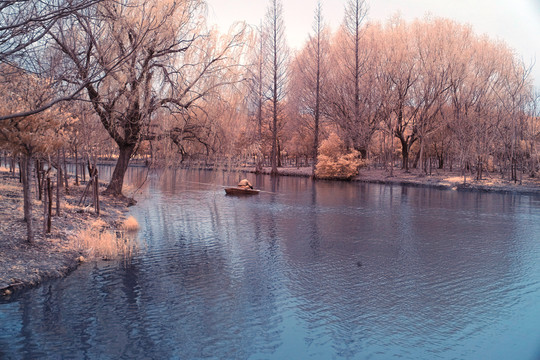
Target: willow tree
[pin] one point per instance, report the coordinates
(24, 33)
(138, 57)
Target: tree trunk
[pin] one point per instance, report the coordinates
(479, 167)
(58, 182)
(38, 170)
(117, 180)
(83, 171)
(421, 157)
(416, 159)
(405, 155)
(363, 152)
(45, 206)
(49, 195)
(274, 158)
(279, 164)
(96, 191)
(76, 167)
(26, 173)
(66, 175)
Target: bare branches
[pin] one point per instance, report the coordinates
(25, 22)
(136, 59)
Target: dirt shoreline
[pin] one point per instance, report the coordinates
(24, 265)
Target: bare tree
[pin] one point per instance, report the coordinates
(278, 68)
(396, 75)
(355, 14)
(308, 78)
(24, 34)
(157, 55)
(258, 86)
(431, 89)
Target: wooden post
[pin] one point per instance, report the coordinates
(76, 167)
(43, 186)
(49, 195)
(96, 191)
(83, 169)
(39, 182)
(66, 176)
(58, 182)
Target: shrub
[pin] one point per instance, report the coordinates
(335, 162)
(99, 241)
(130, 224)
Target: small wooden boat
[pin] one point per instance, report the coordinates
(241, 191)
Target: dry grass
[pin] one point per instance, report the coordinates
(10, 187)
(36, 206)
(130, 224)
(71, 207)
(99, 241)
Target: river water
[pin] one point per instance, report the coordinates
(305, 270)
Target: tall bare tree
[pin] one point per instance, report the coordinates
(355, 14)
(309, 75)
(258, 86)
(278, 69)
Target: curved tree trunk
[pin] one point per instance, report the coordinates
(117, 179)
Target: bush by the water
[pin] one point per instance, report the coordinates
(130, 224)
(335, 162)
(99, 241)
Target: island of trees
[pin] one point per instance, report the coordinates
(107, 79)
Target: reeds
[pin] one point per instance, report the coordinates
(99, 241)
(130, 224)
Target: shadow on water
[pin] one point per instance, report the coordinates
(307, 269)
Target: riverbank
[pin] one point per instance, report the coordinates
(438, 179)
(54, 255)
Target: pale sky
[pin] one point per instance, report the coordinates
(516, 22)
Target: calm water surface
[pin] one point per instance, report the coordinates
(305, 271)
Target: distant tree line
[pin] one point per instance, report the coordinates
(430, 92)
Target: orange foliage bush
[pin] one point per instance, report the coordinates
(335, 162)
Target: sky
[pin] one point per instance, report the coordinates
(516, 22)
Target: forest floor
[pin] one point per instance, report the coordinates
(24, 264)
(491, 182)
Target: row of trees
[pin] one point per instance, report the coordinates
(149, 78)
(431, 87)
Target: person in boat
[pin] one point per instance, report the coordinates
(245, 184)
